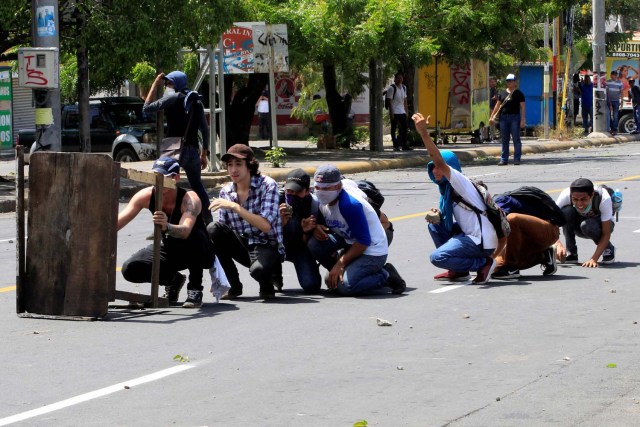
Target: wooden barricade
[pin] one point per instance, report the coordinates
(70, 262)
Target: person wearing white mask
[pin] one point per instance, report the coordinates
(353, 244)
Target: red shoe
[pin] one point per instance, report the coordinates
(484, 274)
(452, 276)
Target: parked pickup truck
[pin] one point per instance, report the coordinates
(117, 125)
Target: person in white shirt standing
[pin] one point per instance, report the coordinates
(396, 96)
(263, 116)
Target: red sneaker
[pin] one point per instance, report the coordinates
(484, 274)
(452, 276)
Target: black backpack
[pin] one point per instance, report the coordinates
(496, 216)
(376, 199)
(387, 101)
(532, 201)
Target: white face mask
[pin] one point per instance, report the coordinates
(169, 91)
(327, 196)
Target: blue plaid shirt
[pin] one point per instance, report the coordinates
(263, 200)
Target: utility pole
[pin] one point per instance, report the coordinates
(545, 119)
(600, 118)
(45, 32)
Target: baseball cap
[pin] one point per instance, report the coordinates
(297, 180)
(326, 176)
(510, 77)
(239, 151)
(167, 166)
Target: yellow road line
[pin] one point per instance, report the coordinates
(8, 289)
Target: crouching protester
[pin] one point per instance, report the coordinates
(299, 212)
(185, 243)
(589, 214)
(248, 230)
(534, 219)
(353, 245)
(465, 241)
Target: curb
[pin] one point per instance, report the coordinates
(214, 180)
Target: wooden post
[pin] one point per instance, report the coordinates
(20, 244)
(157, 237)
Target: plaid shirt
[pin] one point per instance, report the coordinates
(263, 200)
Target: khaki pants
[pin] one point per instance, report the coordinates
(529, 238)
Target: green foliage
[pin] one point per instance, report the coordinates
(277, 156)
(180, 358)
(68, 79)
(361, 423)
(353, 137)
(143, 75)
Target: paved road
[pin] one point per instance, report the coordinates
(533, 352)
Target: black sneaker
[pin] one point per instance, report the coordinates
(194, 299)
(172, 291)
(609, 256)
(549, 265)
(505, 274)
(571, 259)
(394, 281)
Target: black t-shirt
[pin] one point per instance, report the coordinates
(512, 106)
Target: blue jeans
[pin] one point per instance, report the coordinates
(586, 228)
(364, 275)
(510, 126)
(615, 109)
(455, 251)
(587, 117)
(190, 162)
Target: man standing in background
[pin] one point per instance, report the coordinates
(396, 99)
(614, 91)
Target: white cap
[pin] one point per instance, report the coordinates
(510, 77)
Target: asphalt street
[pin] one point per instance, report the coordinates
(539, 351)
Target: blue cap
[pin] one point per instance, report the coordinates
(327, 175)
(167, 166)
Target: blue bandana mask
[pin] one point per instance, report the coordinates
(586, 210)
(294, 201)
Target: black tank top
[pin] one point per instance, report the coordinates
(198, 241)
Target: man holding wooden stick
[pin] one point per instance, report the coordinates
(185, 243)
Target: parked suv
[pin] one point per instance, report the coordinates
(117, 125)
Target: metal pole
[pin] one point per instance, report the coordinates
(222, 99)
(45, 32)
(600, 119)
(545, 120)
(272, 92)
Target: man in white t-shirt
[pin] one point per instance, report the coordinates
(589, 214)
(465, 241)
(264, 129)
(353, 244)
(396, 95)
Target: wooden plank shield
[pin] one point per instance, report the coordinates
(72, 229)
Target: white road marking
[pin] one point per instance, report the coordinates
(94, 394)
(637, 231)
(7, 240)
(447, 288)
(485, 174)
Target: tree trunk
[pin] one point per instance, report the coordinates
(335, 103)
(375, 105)
(241, 109)
(82, 57)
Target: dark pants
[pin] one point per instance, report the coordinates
(399, 123)
(137, 269)
(577, 225)
(230, 246)
(265, 126)
(587, 116)
(190, 162)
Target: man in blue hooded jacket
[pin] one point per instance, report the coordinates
(470, 242)
(179, 103)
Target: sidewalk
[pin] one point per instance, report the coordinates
(302, 154)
